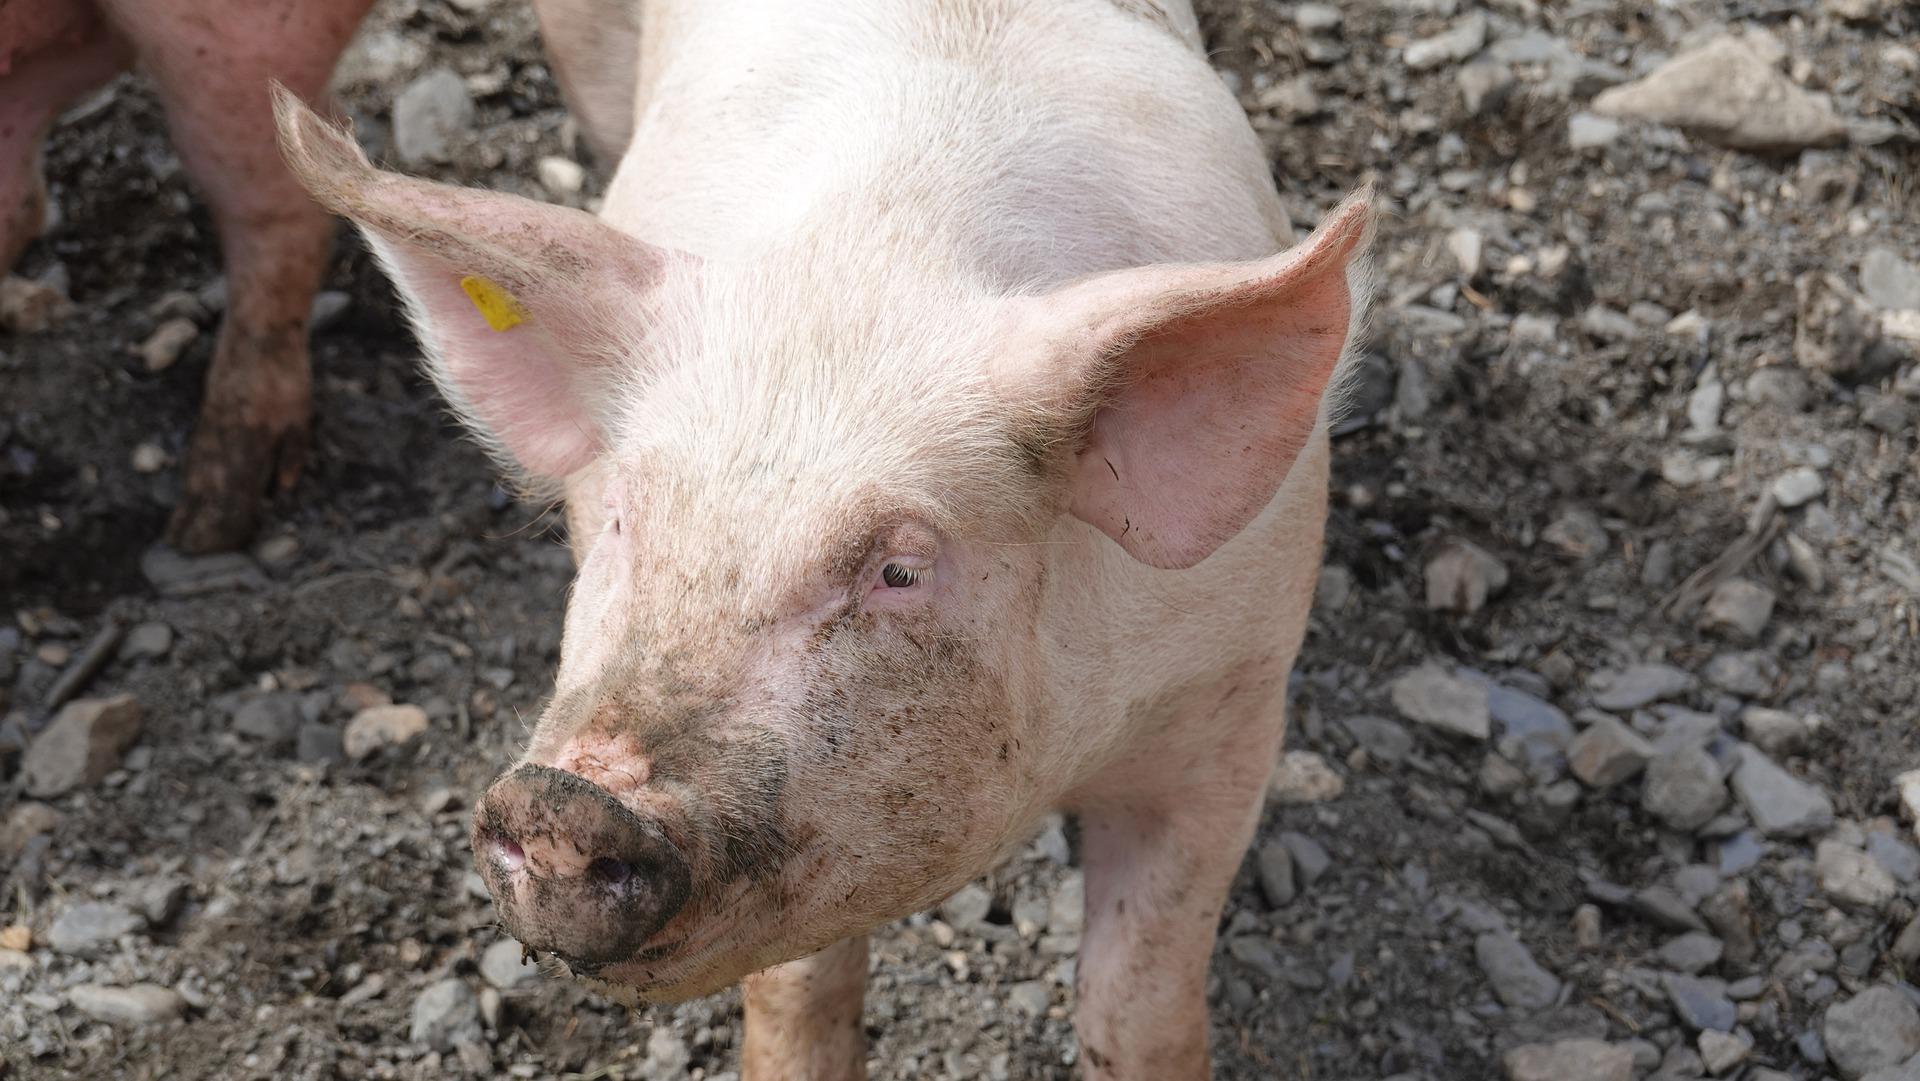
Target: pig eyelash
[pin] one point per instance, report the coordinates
(899, 575)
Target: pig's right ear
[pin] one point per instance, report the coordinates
(524, 308)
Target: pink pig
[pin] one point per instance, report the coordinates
(943, 445)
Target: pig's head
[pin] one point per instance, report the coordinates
(823, 505)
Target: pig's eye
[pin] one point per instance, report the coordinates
(899, 575)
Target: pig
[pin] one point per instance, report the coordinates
(940, 408)
(211, 61)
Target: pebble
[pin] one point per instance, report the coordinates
(1748, 673)
(1851, 877)
(1303, 777)
(1456, 43)
(1030, 997)
(1797, 487)
(667, 1056)
(270, 718)
(968, 907)
(162, 349)
(1875, 1029)
(561, 176)
(501, 965)
(1691, 953)
(1315, 18)
(382, 726)
(1586, 131)
(1461, 576)
(1274, 867)
(1774, 731)
(318, 742)
(82, 745)
(140, 1004)
(1432, 696)
(446, 1013)
(1780, 804)
(1727, 93)
(1569, 1060)
(1608, 753)
(1738, 609)
(147, 458)
(160, 899)
(1466, 245)
(1895, 856)
(1888, 281)
(90, 926)
(1310, 857)
(432, 109)
(1722, 1051)
(1384, 740)
(1607, 325)
(1517, 978)
(1640, 685)
(148, 640)
(1702, 1003)
(1684, 789)
(1906, 1071)
(29, 307)
(1532, 730)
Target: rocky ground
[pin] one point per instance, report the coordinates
(1595, 771)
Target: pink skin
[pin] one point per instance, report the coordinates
(897, 526)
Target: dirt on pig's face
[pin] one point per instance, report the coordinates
(799, 643)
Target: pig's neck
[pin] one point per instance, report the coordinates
(1015, 148)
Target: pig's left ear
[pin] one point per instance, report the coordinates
(1184, 393)
(525, 309)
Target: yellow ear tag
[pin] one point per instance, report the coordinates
(495, 304)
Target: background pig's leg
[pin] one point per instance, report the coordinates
(212, 63)
(51, 52)
(594, 47)
(803, 1018)
(1160, 856)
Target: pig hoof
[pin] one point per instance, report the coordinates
(229, 473)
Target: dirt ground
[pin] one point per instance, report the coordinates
(1537, 400)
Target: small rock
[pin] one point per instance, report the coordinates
(446, 1013)
(1585, 131)
(82, 745)
(1684, 789)
(1458, 42)
(382, 726)
(148, 640)
(147, 458)
(1517, 978)
(1774, 731)
(1608, 753)
(1384, 740)
(1030, 997)
(318, 742)
(1310, 857)
(163, 347)
(29, 307)
(427, 115)
(175, 575)
(160, 899)
(1780, 804)
(1888, 281)
(1738, 609)
(1727, 93)
(1432, 696)
(1835, 330)
(1607, 325)
(26, 821)
(1640, 685)
(968, 907)
(277, 551)
(140, 1004)
(1750, 673)
(561, 176)
(1466, 246)
(270, 718)
(1691, 953)
(1721, 1051)
(1531, 730)
(1303, 777)
(1701, 1003)
(1797, 487)
(1569, 1060)
(1335, 585)
(1906, 1071)
(1274, 865)
(1315, 18)
(1779, 386)
(1461, 576)
(502, 966)
(90, 926)
(1895, 856)
(1853, 878)
(1586, 927)
(1875, 1029)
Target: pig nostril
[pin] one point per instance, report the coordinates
(609, 871)
(509, 853)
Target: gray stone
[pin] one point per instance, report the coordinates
(1774, 731)
(1316, 18)
(1531, 729)
(140, 1004)
(445, 1014)
(1578, 534)
(1906, 1071)
(1517, 978)
(319, 742)
(1727, 93)
(1684, 789)
(90, 926)
(1461, 576)
(1310, 857)
(147, 640)
(382, 726)
(1691, 953)
(1640, 685)
(175, 575)
(1432, 696)
(667, 1056)
(1456, 43)
(1274, 865)
(1895, 856)
(501, 964)
(160, 899)
(1388, 741)
(1030, 997)
(1875, 1029)
(1852, 878)
(1701, 1003)
(272, 719)
(1780, 804)
(1608, 325)
(1797, 487)
(1303, 777)
(82, 745)
(1738, 609)
(1586, 131)
(1608, 753)
(1722, 1051)
(1888, 281)
(1749, 673)
(967, 908)
(427, 115)
(1569, 1060)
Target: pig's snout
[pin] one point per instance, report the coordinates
(571, 870)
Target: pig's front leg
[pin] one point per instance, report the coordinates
(803, 1018)
(1161, 851)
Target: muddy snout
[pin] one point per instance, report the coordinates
(572, 871)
